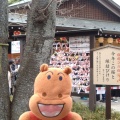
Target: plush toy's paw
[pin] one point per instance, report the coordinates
(25, 116)
(76, 116)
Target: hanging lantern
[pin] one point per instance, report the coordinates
(118, 40)
(110, 40)
(17, 33)
(101, 39)
(63, 39)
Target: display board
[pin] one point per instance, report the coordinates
(73, 52)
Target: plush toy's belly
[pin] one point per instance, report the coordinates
(33, 117)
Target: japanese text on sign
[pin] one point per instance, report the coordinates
(106, 66)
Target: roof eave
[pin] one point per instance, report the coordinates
(111, 5)
(10, 7)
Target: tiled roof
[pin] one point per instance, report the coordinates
(71, 23)
(74, 23)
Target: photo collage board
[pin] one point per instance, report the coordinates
(75, 53)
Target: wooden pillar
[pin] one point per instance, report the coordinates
(108, 102)
(92, 94)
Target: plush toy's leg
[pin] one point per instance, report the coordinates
(25, 116)
(76, 116)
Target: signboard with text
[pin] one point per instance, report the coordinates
(15, 47)
(79, 43)
(106, 65)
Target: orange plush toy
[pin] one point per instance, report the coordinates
(51, 99)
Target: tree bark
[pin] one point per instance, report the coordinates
(40, 36)
(4, 89)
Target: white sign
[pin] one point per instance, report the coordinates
(106, 66)
(15, 47)
(79, 43)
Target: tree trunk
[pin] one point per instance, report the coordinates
(4, 89)
(40, 36)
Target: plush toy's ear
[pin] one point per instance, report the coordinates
(67, 70)
(43, 67)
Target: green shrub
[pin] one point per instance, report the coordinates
(98, 114)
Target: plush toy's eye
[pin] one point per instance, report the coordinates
(60, 78)
(49, 76)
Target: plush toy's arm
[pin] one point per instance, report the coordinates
(76, 116)
(25, 116)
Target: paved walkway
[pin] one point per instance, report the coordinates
(114, 106)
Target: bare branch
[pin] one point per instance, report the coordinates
(48, 4)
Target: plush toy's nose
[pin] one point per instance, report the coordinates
(44, 94)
